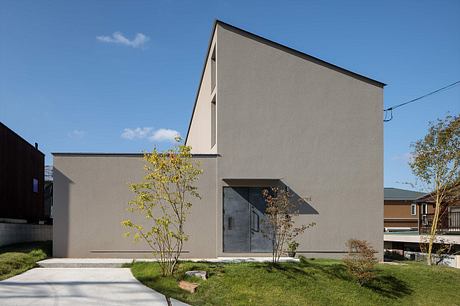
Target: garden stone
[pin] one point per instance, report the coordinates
(187, 286)
(200, 274)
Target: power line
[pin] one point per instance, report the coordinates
(389, 111)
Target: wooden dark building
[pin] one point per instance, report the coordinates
(21, 178)
(449, 218)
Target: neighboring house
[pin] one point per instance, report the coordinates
(22, 211)
(264, 115)
(448, 234)
(449, 219)
(401, 212)
(48, 194)
(21, 179)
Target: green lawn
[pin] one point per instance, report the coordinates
(310, 282)
(18, 258)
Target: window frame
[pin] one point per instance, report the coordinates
(413, 209)
(424, 208)
(213, 69)
(213, 122)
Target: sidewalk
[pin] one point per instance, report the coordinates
(83, 286)
(119, 262)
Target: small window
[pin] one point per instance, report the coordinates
(213, 69)
(213, 122)
(35, 185)
(413, 209)
(424, 209)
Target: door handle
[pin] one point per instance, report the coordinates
(257, 222)
(230, 223)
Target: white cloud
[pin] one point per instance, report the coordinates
(150, 134)
(164, 135)
(138, 133)
(405, 157)
(76, 134)
(118, 38)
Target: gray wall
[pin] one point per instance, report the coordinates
(90, 197)
(11, 233)
(317, 129)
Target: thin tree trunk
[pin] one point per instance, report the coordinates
(434, 229)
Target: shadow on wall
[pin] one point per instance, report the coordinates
(61, 214)
(302, 206)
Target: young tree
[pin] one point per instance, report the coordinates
(280, 211)
(360, 260)
(436, 162)
(164, 199)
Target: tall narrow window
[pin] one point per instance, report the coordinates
(35, 185)
(424, 209)
(413, 209)
(213, 69)
(213, 122)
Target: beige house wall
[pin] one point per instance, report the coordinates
(199, 137)
(317, 129)
(90, 199)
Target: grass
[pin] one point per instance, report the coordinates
(309, 282)
(18, 258)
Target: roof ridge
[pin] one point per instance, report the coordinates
(360, 76)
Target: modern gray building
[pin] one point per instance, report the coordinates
(264, 115)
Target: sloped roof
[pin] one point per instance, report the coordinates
(452, 195)
(276, 45)
(295, 52)
(395, 194)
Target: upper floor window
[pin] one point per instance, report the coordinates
(424, 209)
(213, 122)
(213, 69)
(35, 185)
(413, 209)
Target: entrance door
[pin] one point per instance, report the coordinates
(245, 229)
(236, 220)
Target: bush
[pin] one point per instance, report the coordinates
(19, 258)
(360, 260)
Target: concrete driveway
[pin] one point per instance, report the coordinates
(78, 286)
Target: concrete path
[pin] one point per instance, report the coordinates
(82, 286)
(118, 262)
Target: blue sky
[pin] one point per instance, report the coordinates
(69, 84)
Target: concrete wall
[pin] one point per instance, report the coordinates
(90, 199)
(11, 233)
(318, 129)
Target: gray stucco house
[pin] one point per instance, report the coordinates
(264, 115)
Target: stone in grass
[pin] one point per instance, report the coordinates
(187, 286)
(200, 274)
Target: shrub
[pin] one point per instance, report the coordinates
(280, 213)
(360, 260)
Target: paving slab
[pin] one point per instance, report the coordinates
(81, 286)
(119, 262)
